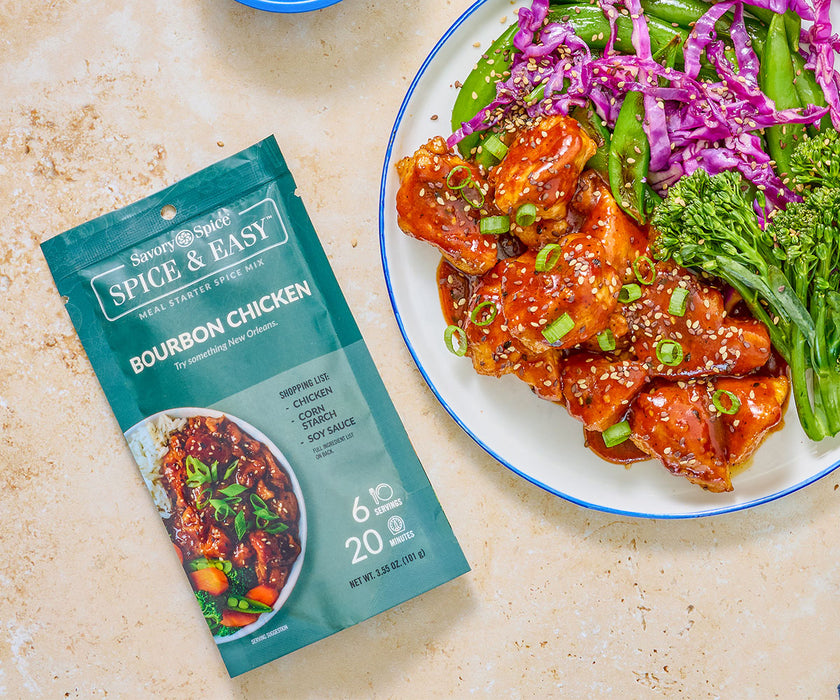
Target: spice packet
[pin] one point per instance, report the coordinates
(280, 469)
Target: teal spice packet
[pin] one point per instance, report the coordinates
(277, 462)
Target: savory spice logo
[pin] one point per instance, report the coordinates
(149, 273)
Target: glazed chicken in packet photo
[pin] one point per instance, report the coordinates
(272, 452)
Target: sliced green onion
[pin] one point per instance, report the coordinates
(679, 302)
(461, 185)
(616, 434)
(494, 225)
(526, 214)
(494, 146)
(734, 403)
(548, 257)
(629, 292)
(648, 279)
(537, 94)
(485, 159)
(474, 203)
(480, 318)
(606, 340)
(461, 349)
(669, 352)
(558, 328)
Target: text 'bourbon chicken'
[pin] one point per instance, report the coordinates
(544, 303)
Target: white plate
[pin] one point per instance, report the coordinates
(281, 459)
(532, 437)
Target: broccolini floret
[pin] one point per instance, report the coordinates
(210, 608)
(815, 161)
(807, 242)
(240, 581)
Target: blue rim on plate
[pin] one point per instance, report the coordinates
(439, 395)
(288, 5)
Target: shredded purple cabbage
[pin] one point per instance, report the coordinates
(823, 45)
(748, 63)
(690, 123)
(702, 35)
(801, 7)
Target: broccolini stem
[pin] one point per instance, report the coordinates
(826, 376)
(827, 381)
(811, 424)
(778, 337)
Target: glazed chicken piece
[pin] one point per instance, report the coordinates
(217, 544)
(433, 207)
(541, 232)
(674, 423)
(623, 239)
(263, 547)
(286, 506)
(276, 475)
(712, 342)
(249, 471)
(762, 401)
(188, 531)
(174, 473)
(542, 167)
(542, 374)
(272, 553)
(599, 389)
(581, 285)
(490, 345)
(587, 194)
(242, 554)
(277, 577)
(454, 290)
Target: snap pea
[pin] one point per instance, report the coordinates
(793, 23)
(807, 88)
(591, 123)
(594, 28)
(629, 157)
(235, 602)
(776, 79)
(793, 27)
(687, 12)
(479, 89)
(684, 14)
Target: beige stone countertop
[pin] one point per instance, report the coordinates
(104, 103)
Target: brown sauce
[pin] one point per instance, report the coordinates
(454, 291)
(625, 453)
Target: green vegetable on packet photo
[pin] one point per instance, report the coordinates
(271, 450)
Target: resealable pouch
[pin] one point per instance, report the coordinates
(248, 398)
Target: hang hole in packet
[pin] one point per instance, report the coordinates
(278, 464)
